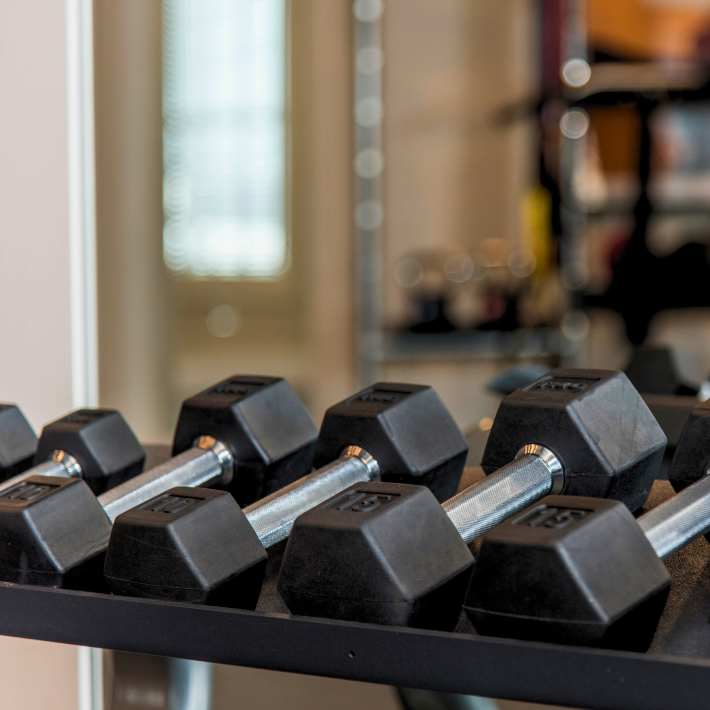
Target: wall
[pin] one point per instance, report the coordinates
(135, 346)
(35, 361)
(154, 345)
(35, 358)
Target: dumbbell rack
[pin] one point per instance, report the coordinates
(675, 673)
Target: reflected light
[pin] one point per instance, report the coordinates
(223, 321)
(576, 72)
(521, 264)
(486, 424)
(575, 326)
(369, 163)
(367, 10)
(369, 215)
(459, 268)
(574, 123)
(370, 60)
(368, 112)
(409, 272)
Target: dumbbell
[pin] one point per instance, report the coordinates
(248, 434)
(390, 554)
(17, 441)
(197, 545)
(584, 571)
(94, 444)
(693, 452)
(671, 410)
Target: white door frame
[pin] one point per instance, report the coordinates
(82, 257)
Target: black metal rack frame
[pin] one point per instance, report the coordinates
(457, 662)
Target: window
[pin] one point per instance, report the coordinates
(224, 138)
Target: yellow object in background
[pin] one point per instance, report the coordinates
(537, 238)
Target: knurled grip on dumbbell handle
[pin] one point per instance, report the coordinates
(479, 508)
(674, 523)
(202, 465)
(272, 517)
(62, 465)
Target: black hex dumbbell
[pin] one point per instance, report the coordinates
(584, 571)
(17, 441)
(692, 457)
(248, 434)
(199, 546)
(96, 445)
(385, 554)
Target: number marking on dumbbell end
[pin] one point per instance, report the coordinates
(362, 501)
(380, 395)
(238, 387)
(563, 384)
(551, 517)
(84, 416)
(28, 492)
(171, 504)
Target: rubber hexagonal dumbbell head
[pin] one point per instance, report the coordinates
(262, 422)
(383, 553)
(406, 428)
(102, 443)
(39, 542)
(691, 459)
(17, 441)
(166, 549)
(595, 422)
(569, 570)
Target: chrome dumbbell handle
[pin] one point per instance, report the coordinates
(272, 517)
(678, 520)
(534, 473)
(207, 463)
(60, 464)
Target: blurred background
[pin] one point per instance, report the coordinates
(339, 192)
